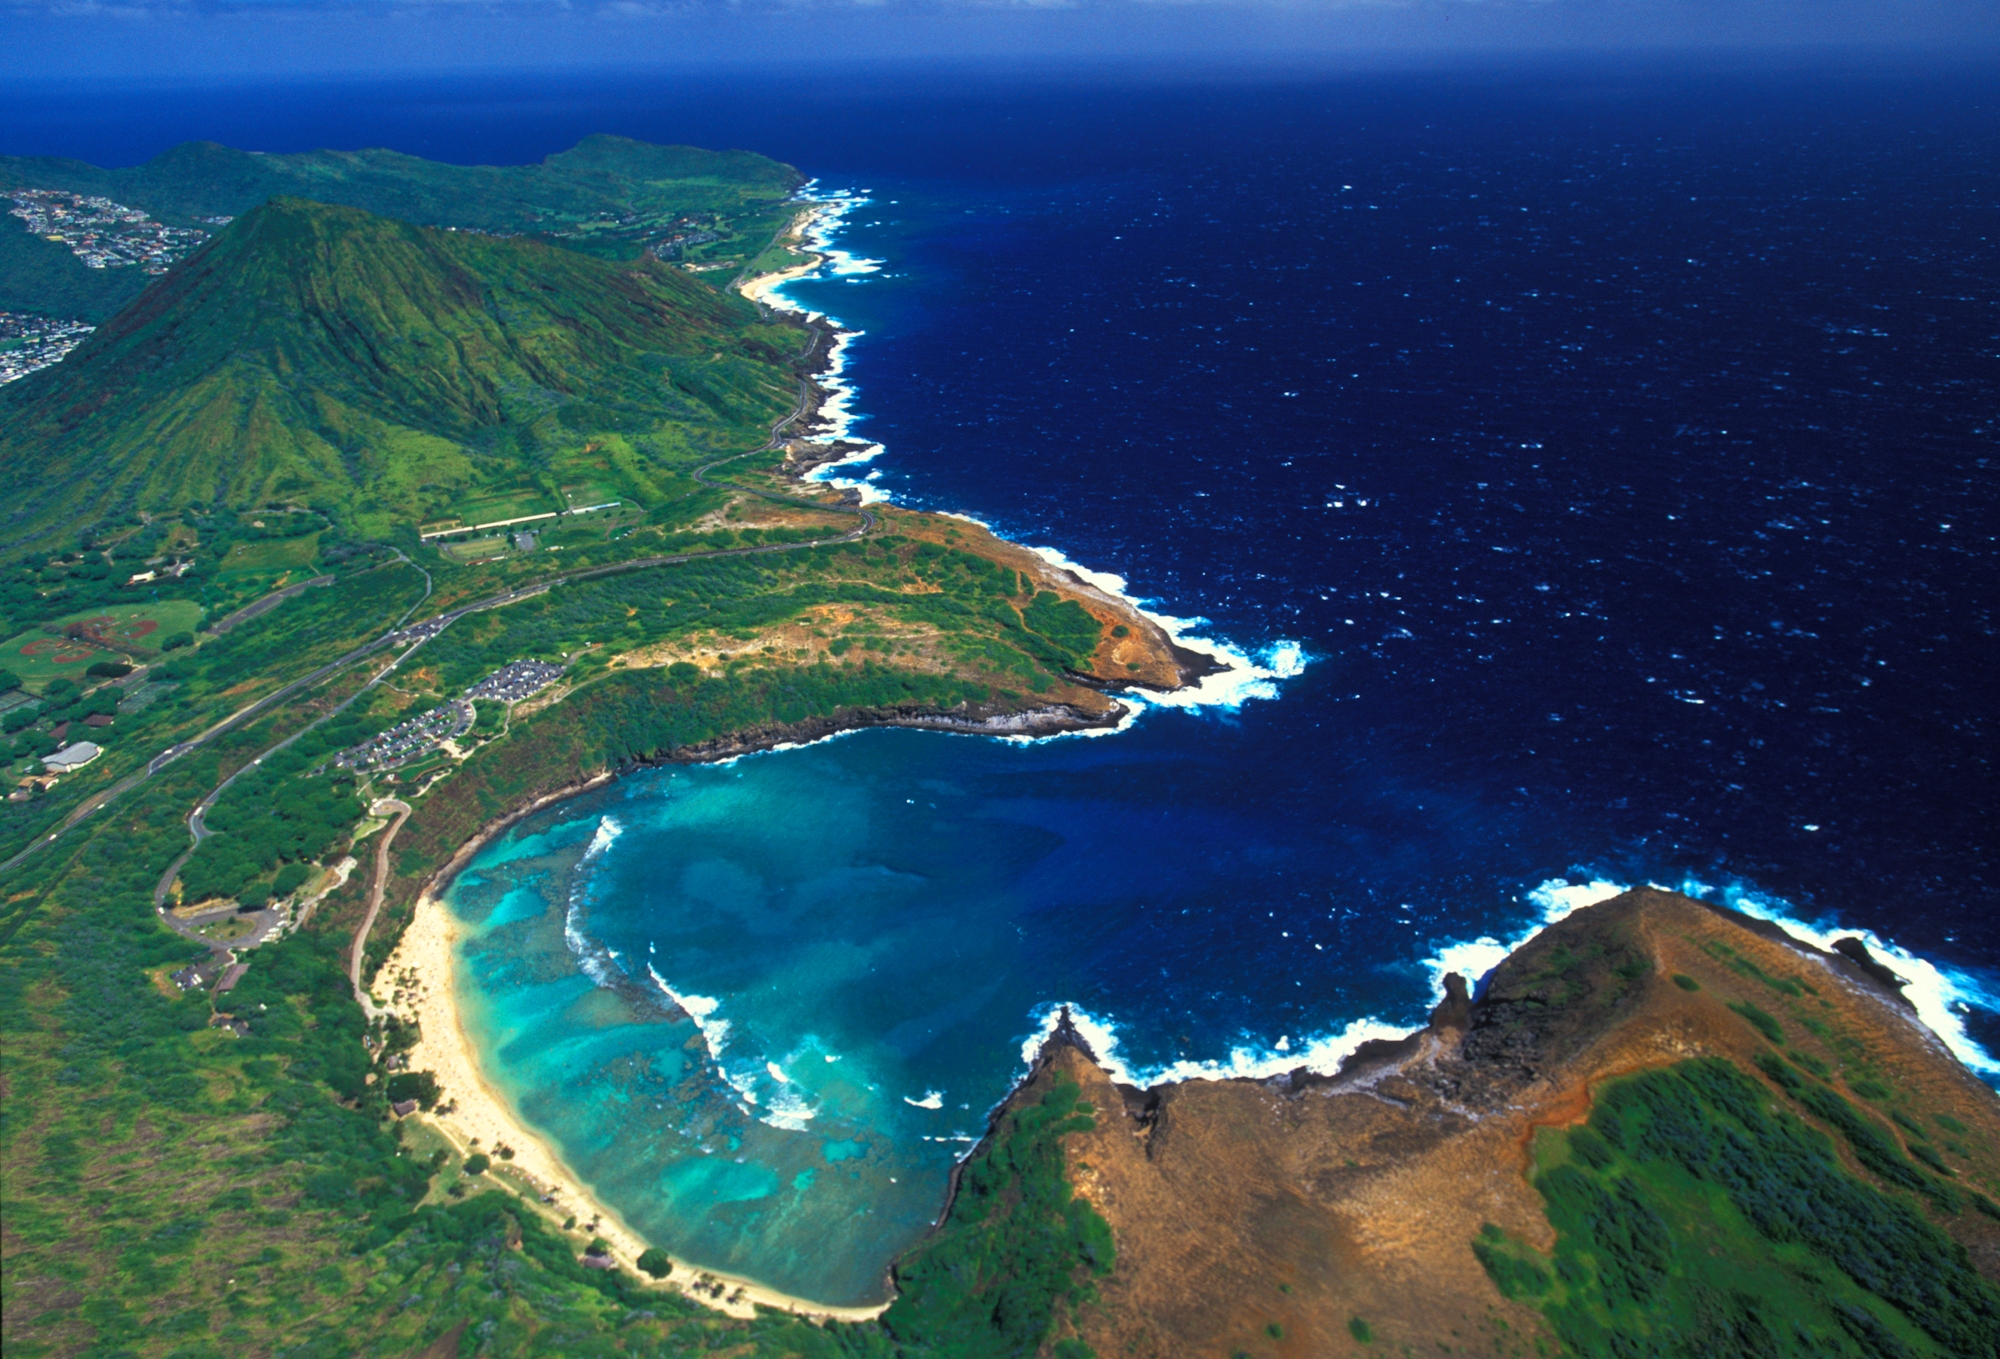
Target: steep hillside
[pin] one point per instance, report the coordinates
(608, 196)
(374, 369)
(1663, 1130)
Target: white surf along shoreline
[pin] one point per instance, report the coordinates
(1238, 677)
(1939, 995)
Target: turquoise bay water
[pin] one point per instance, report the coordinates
(1584, 608)
(756, 1006)
(761, 1008)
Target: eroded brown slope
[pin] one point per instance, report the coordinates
(1304, 1203)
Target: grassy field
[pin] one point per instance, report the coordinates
(489, 509)
(474, 549)
(589, 493)
(270, 556)
(41, 655)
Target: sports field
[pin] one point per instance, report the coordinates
(589, 493)
(491, 509)
(473, 549)
(71, 645)
(268, 556)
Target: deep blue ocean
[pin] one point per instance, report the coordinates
(1616, 445)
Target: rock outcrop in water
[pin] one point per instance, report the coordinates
(1660, 1128)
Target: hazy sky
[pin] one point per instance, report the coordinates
(68, 38)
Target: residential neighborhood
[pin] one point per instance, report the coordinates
(517, 681)
(408, 739)
(30, 343)
(104, 234)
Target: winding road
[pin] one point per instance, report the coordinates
(357, 952)
(417, 636)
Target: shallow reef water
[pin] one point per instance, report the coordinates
(762, 1007)
(1609, 493)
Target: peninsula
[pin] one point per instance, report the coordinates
(409, 498)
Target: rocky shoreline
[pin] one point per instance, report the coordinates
(1362, 1191)
(423, 948)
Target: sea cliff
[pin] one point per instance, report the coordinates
(1659, 1127)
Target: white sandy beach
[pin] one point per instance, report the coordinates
(759, 288)
(482, 1119)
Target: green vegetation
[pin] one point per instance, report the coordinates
(1016, 1247)
(73, 646)
(271, 557)
(1872, 1145)
(489, 716)
(733, 599)
(1759, 1020)
(1361, 1330)
(420, 1086)
(1736, 962)
(199, 1175)
(381, 372)
(474, 549)
(269, 818)
(1693, 1217)
(1810, 1064)
(492, 508)
(607, 196)
(43, 277)
(1685, 982)
(1067, 625)
(191, 689)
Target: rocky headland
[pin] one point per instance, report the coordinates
(1733, 1109)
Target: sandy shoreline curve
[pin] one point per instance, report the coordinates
(760, 287)
(481, 1119)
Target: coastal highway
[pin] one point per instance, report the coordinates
(431, 627)
(416, 635)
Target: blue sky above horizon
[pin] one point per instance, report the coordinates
(202, 39)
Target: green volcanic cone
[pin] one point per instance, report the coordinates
(374, 369)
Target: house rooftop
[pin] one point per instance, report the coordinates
(72, 757)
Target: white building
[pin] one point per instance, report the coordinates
(72, 757)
